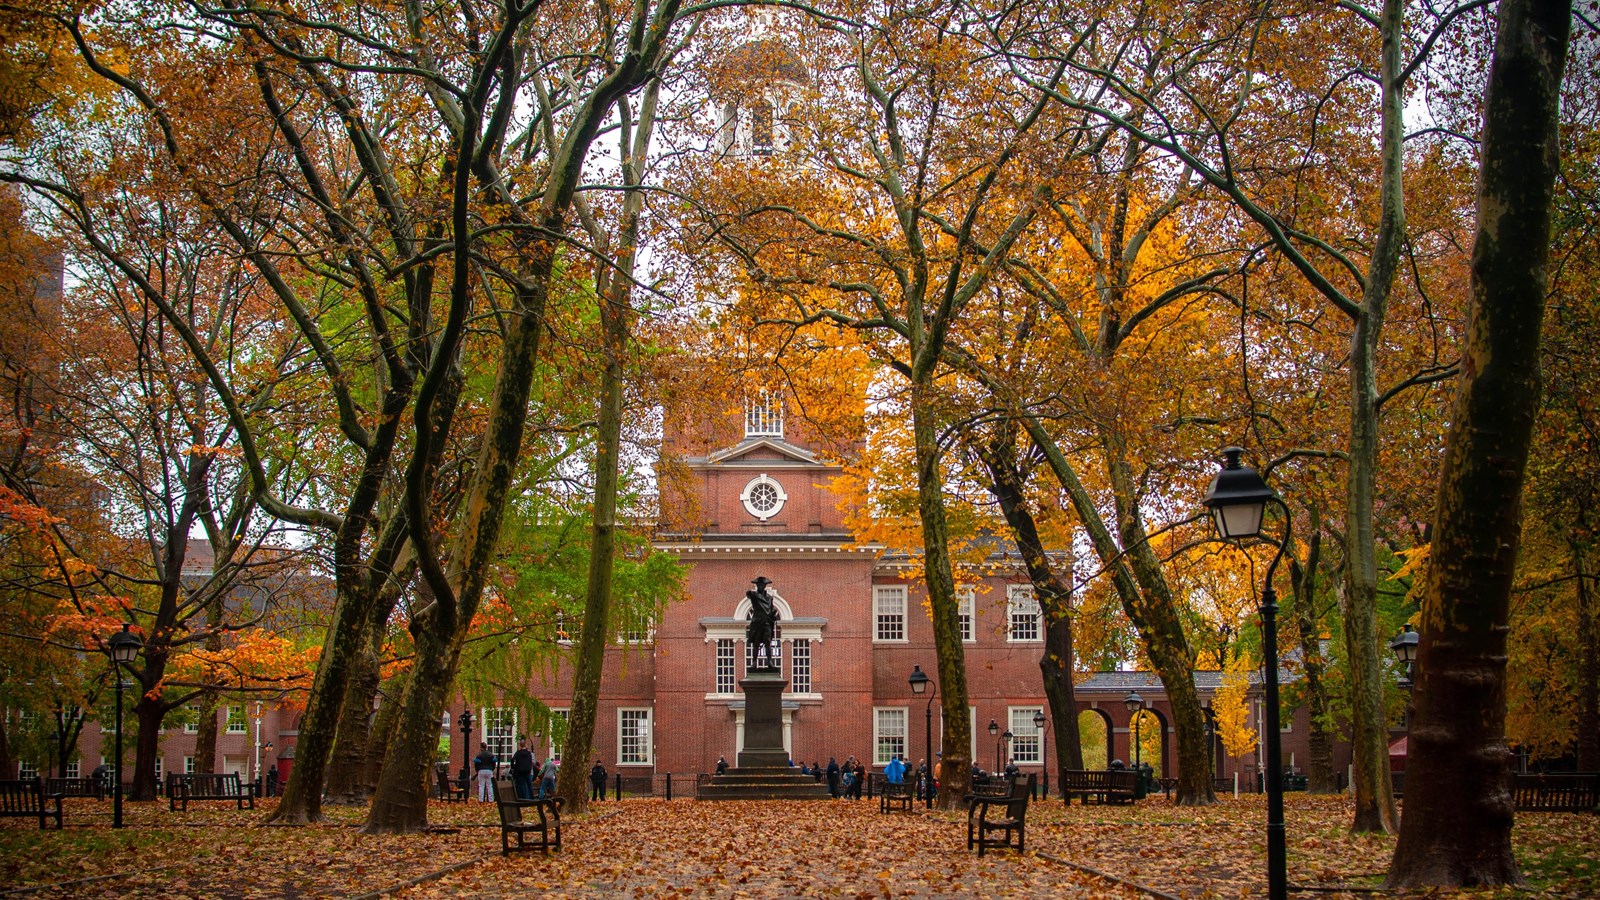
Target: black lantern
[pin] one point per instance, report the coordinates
(1404, 644)
(1238, 499)
(466, 747)
(1135, 705)
(994, 732)
(919, 685)
(124, 647)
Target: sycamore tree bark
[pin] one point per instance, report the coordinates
(1359, 290)
(478, 123)
(1006, 481)
(614, 289)
(1459, 808)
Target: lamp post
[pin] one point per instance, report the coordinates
(1211, 739)
(1404, 644)
(1007, 738)
(919, 685)
(1238, 499)
(125, 646)
(466, 747)
(1135, 704)
(1044, 749)
(255, 777)
(994, 732)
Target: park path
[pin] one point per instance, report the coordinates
(658, 848)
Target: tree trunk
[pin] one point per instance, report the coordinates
(148, 712)
(573, 779)
(1320, 775)
(400, 803)
(956, 737)
(1055, 597)
(1154, 611)
(302, 795)
(349, 781)
(382, 733)
(1459, 808)
(1369, 737)
(205, 739)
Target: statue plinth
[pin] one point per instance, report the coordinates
(763, 719)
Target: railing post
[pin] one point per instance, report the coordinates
(669, 785)
(619, 785)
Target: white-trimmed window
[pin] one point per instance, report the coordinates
(639, 632)
(73, 770)
(26, 770)
(189, 765)
(161, 763)
(763, 497)
(558, 733)
(774, 651)
(563, 636)
(889, 613)
(1026, 739)
(500, 731)
(725, 665)
(888, 734)
(966, 612)
(192, 724)
(633, 737)
(800, 666)
(237, 723)
(763, 412)
(1022, 613)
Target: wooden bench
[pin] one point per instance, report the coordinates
(1007, 816)
(512, 820)
(892, 794)
(76, 787)
(449, 791)
(27, 798)
(1556, 792)
(216, 786)
(1102, 785)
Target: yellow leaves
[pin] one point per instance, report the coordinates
(1231, 706)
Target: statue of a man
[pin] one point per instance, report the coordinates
(763, 622)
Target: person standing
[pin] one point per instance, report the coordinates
(597, 781)
(547, 779)
(860, 778)
(484, 764)
(895, 771)
(522, 772)
(833, 777)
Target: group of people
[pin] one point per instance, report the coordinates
(525, 770)
(843, 780)
(849, 779)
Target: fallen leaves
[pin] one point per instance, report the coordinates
(683, 848)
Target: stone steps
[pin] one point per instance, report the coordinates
(763, 783)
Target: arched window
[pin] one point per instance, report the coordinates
(761, 127)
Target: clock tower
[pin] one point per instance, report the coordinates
(745, 495)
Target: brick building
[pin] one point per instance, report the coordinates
(752, 499)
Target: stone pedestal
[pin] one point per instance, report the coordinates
(763, 720)
(763, 772)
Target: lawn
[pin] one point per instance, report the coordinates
(683, 848)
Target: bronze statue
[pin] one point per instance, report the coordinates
(763, 623)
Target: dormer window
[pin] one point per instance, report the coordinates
(763, 415)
